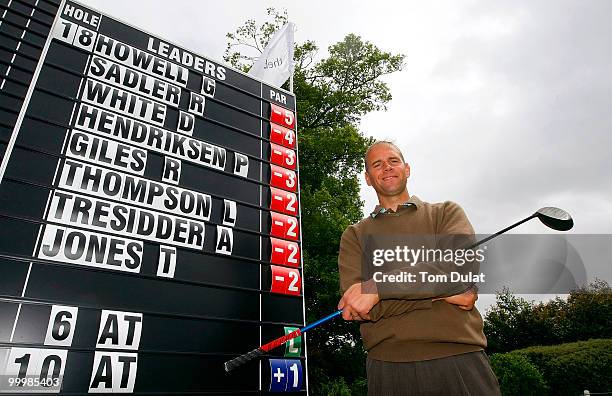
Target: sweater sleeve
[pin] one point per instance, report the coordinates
(453, 232)
(349, 266)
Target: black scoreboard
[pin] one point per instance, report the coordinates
(149, 213)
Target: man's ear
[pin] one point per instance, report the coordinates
(367, 178)
(407, 170)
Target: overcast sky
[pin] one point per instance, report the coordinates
(503, 106)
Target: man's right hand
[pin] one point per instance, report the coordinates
(358, 300)
(464, 300)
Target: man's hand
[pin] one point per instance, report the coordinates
(464, 300)
(356, 305)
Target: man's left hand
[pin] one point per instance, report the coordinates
(464, 300)
(356, 305)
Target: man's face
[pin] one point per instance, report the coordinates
(387, 173)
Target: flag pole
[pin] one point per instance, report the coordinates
(292, 64)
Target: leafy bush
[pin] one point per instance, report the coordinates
(337, 387)
(517, 376)
(572, 367)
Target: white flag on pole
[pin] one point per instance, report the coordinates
(275, 64)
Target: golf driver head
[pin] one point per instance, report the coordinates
(555, 218)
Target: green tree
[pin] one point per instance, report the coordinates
(589, 312)
(514, 323)
(505, 321)
(333, 93)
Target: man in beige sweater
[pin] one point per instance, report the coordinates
(421, 338)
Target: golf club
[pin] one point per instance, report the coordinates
(552, 217)
(555, 218)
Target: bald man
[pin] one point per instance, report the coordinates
(422, 339)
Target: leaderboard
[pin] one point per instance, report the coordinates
(149, 213)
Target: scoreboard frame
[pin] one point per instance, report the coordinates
(111, 346)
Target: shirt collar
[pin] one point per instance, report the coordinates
(413, 201)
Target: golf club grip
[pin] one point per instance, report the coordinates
(242, 359)
(247, 357)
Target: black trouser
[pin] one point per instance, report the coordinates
(465, 374)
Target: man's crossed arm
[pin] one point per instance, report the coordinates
(360, 298)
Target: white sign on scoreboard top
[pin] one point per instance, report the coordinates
(174, 53)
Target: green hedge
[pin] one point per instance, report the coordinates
(517, 376)
(567, 369)
(571, 368)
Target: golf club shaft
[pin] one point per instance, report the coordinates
(498, 233)
(321, 321)
(242, 359)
